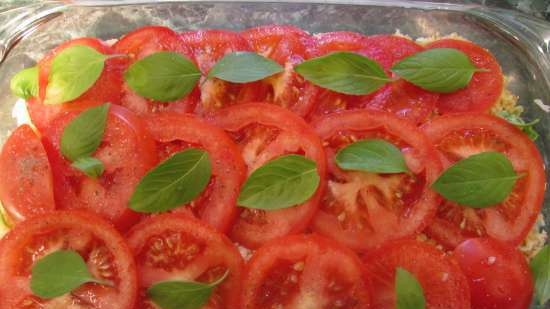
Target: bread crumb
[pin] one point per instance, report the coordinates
(535, 240)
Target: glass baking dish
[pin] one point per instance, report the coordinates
(519, 41)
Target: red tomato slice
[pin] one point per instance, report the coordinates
(106, 89)
(498, 274)
(177, 247)
(264, 132)
(442, 281)
(141, 43)
(363, 210)
(216, 205)
(26, 185)
(288, 46)
(459, 136)
(305, 271)
(127, 152)
(484, 89)
(104, 250)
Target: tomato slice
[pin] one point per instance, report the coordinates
(141, 43)
(102, 248)
(288, 46)
(127, 152)
(264, 132)
(498, 274)
(106, 89)
(305, 271)
(177, 247)
(484, 89)
(173, 133)
(26, 185)
(361, 209)
(458, 136)
(442, 281)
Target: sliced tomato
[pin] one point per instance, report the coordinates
(484, 89)
(105, 252)
(177, 247)
(459, 136)
(361, 209)
(141, 43)
(305, 271)
(216, 205)
(127, 152)
(264, 132)
(107, 88)
(26, 185)
(288, 46)
(443, 283)
(498, 274)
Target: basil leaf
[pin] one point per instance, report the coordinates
(479, 181)
(83, 134)
(526, 127)
(24, 84)
(89, 166)
(344, 72)
(442, 70)
(176, 181)
(540, 267)
(244, 67)
(183, 294)
(374, 155)
(163, 76)
(59, 273)
(74, 70)
(281, 183)
(409, 292)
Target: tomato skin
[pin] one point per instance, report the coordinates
(207, 249)
(81, 231)
(26, 187)
(443, 283)
(498, 274)
(228, 170)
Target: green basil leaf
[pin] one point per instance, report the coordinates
(24, 84)
(59, 273)
(374, 155)
(479, 181)
(83, 134)
(89, 166)
(244, 67)
(526, 127)
(182, 294)
(540, 267)
(74, 70)
(176, 181)
(409, 292)
(442, 70)
(344, 72)
(163, 76)
(281, 183)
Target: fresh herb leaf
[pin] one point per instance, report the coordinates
(409, 292)
(74, 70)
(24, 84)
(181, 294)
(374, 155)
(540, 267)
(244, 67)
(89, 166)
(442, 70)
(479, 181)
(176, 181)
(164, 76)
(344, 72)
(83, 134)
(59, 273)
(281, 183)
(526, 127)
